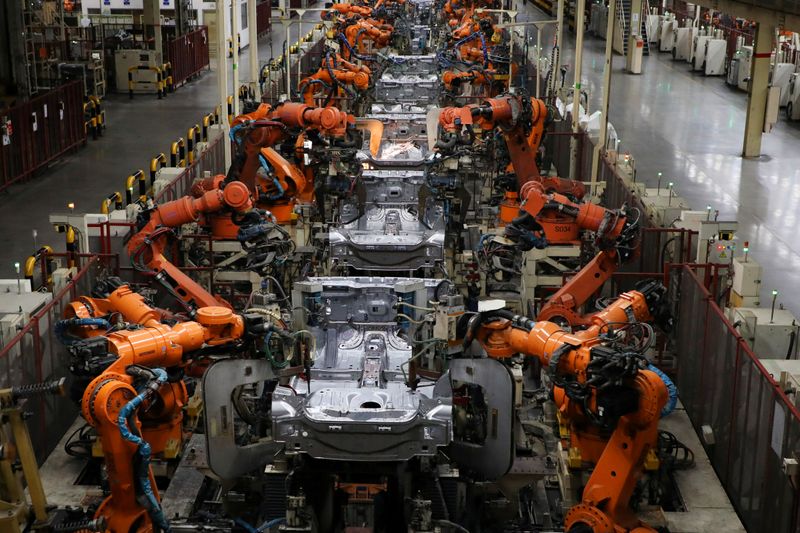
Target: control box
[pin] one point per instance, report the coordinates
(771, 335)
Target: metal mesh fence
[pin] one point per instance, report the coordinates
(211, 161)
(36, 132)
(749, 424)
(188, 54)
(35, 355)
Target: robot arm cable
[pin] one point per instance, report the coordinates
(143, 448)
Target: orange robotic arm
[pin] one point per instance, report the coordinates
(362, 30)
(256, 133)
(615, 236)
(146, 248)
(521, 120)
(347, 9)
(330, 76)
(607, 395)
(154, 420)
(452, 79)
(338, 62)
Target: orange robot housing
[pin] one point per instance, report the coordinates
(585, 395)
(151, 345)
(256, 134)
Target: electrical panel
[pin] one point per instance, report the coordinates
(771, 334)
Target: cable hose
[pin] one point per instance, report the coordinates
(672, 390)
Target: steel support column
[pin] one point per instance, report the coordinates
(252, 28)
(151, 18)
(600, 149)
(580, 8)
(759, 89)
(222, 75)
(559, 45)
(235, 37)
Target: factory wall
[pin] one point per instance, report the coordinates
(206, 13)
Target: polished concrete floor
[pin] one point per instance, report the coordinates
(684, 125)
(691, 128)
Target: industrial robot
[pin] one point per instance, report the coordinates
(147, 246)
(609, 398)
(336, 77)
(521, 120)
(136, 399)
(278, 149)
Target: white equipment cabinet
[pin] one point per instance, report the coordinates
(771, 335)
(745, 56)
(746, 286)
(146, 80)
(666, 40)
(699, 52)
(781, 77)
(793, 101)
(653, 27)
(684, 39)
(715, 57)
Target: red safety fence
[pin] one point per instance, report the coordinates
(188, 55)
(750, 426)
(264, 17)
(736, 39)
(211, 161)
(558, 146)
(35, 354)
(36, 132)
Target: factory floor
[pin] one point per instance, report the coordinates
(691, 128)
(136, 131)
(684, 125)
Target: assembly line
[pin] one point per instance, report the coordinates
(405, 278)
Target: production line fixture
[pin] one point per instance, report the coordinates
(358, 377)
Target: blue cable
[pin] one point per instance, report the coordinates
(270, 524)
(143, 449)
(235, 129)
(275, 181)
(467, 39)
(244, 525)
(485, 51)
(671, 389)
(353, 53)
(62, 326)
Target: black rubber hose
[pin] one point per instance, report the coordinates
(447, 145)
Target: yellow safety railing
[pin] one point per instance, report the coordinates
(156, 163)
(42, 254)
(230, 110)
(208, 120)
(72, 246)
(191, 135)
(177, 151)
(247, 92)
(166, 70)
(94, 117)
(114, 198)
(159, 80)
(130, 181)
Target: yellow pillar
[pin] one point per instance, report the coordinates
(759, 88)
